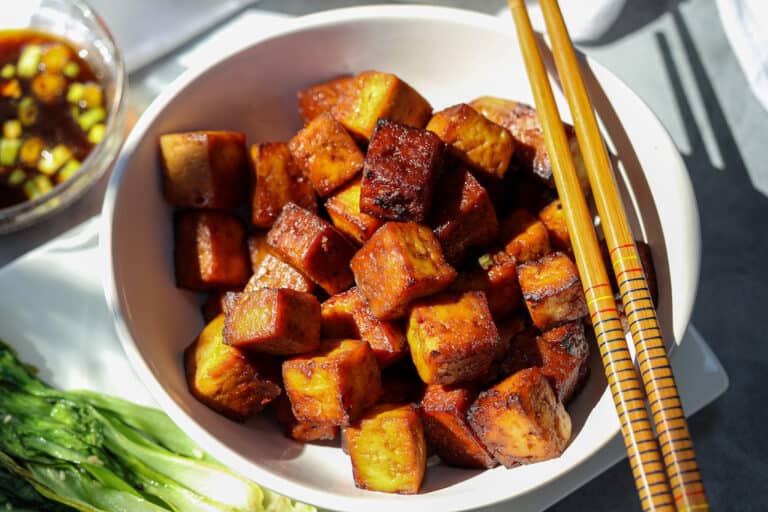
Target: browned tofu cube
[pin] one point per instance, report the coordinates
(463, 217)
(564, 352)
(323, 97)
(226, 379)
(388, 449)
(552, 290)
(525, 237)
(333, 385)
(452, 337)
(326, 154)
(444, 414)
(347, 315)
(343, 207)
(401, 262)
(377, 96)
(271, 271)
(204, 169)
(531, 154)
(214, 304)
(278, 181)
(400, 172)
(301, 430)
(273, 320)
(496, 275)
(314, 247)
(553, 218)
(520, 420)
(209, 251)
(483, 145)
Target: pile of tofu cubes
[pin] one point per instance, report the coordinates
(399, 276)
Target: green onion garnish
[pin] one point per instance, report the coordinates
(12, 129)
(51, 161)
(27, 111)
(8, 71)
(9, 150)
(90, 117)
(71, 70)
(69, 169)
(16, 177)
(29, 60)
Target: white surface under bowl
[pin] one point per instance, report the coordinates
(449, 56)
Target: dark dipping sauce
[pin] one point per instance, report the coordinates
(52, 113)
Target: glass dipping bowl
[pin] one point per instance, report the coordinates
(76, 22)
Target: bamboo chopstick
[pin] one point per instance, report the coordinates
(666, 409)
(629, 399)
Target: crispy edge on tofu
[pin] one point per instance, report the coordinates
(452, 337)
(478, 142)
(388, 449)
(552, 290)
(553, 218)
(377, 95)
(226, 379)
(300, 430)
(444, 415)
(343, 207)
(401, 262)
(564, 353)
(520, 420)
(323, 97)
(271, 271)
(524, 236)
(214, 304)
(333, 385)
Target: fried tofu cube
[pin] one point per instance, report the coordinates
(377, 96)
(523, 352)
(314, 247)
(552, 290)
(214, 304)
(388, 449)
(323, 97)
(301, 430)
(520, 420)
(273, 320)
(337, 315)
(452, 337)
(483, 145)
(333, 385)
(400, 172)
(525, 237)
(564, 352)
(326, 154)
(553, 218)
(271, 271)
(531, 154)
(444, 415)
(278, 181)
(204, 169)
(209, 251)
(464, 216)
(227, 379)
(343, 207)
(496, 275)
(401, 262)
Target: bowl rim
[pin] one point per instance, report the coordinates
(112, 291)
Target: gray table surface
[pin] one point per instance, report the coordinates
(674, 54)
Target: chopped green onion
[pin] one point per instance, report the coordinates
(51, 161)
(75, 93)
(17, 177)
(485, 261)
(9, 150)
(96, 133)
(29, 60)
(43, 183)
(69, 169)
(8, 71)
(71, 70)
(30, 151)
(92, 96)
(90, 117)
(30, 189)
(27, 111)
(12, 129)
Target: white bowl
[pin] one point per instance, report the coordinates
(449, 56)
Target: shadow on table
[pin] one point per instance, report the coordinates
(634, 16)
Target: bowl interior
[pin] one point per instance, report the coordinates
(449, 56)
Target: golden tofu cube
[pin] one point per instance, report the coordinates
(337, 315)
(301, 430)
(483, 145)
(333, 385)
(326, 154)
(496, 275)
(271, 271)
(227, 380)
(444, 415)
(314, 247)
(553, 218)
(343, 207)
(388, 449)
(377, 96)
(323, 97)
(401, 262)
(209, 250)
(204, 169)
(564, 352)
(525, 237)
(452, 337)
(272, 320)
(464, 216)
(520, 420)
(278, 181)
(552, 290)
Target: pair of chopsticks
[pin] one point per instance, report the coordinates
(665, 469)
